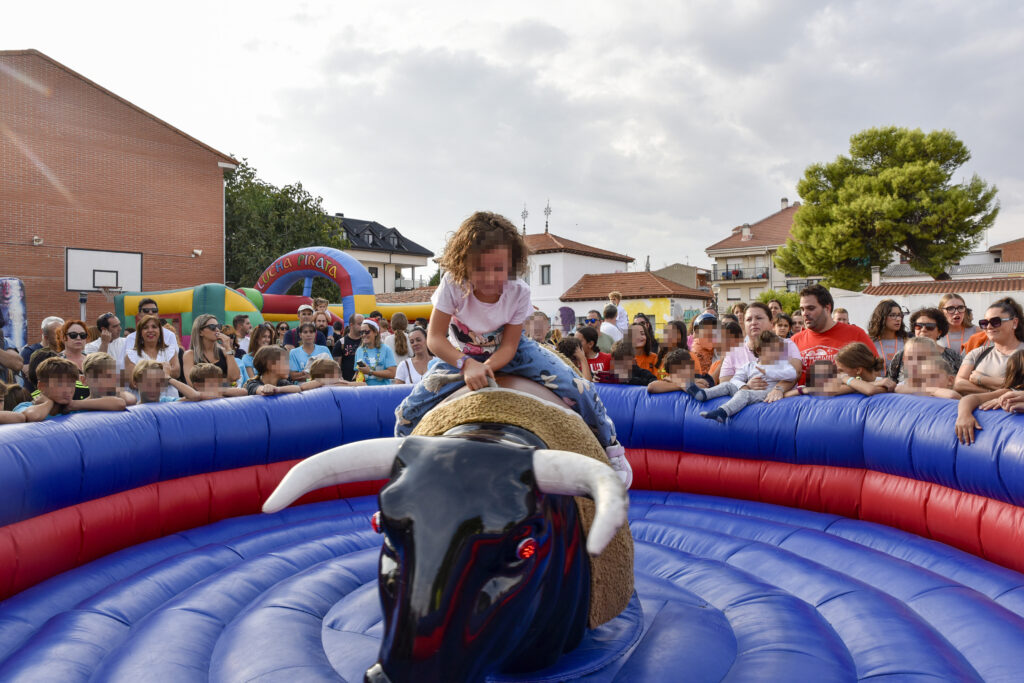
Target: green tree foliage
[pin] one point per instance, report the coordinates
(790, 300)
(263, 222)
(435, 279)
(893, 194)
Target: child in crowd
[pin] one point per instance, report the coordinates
(860, 371)
(476, 329)
(571, 348)
(101, 376)
(57, 378)
(1010, 398)
(10, 397)
(821, 380)
(326, 372)
(208, 381)
(928, 374)
(272, 368)
(730, 337)
(783, 325)
(624, 368)
(680, 372)
(705, 347)
(771, 364)
(149, 380)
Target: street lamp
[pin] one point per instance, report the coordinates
(547, 214)
(524, 214)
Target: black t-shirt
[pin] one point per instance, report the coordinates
(291, 338)
(345, 352)
(253, 385)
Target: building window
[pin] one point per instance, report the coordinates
(545, 275)
(733, 294)
(756, 292)
(373, 271)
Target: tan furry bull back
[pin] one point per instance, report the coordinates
(611, 583)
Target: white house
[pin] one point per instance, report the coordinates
(391, 258)
(557, 263)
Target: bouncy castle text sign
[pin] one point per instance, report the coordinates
(311, 262)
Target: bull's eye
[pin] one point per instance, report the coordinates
(526, 548)
(375, 522)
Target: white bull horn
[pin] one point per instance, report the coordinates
(359, 461)
(572, 474)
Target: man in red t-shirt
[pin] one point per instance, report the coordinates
(599, 362)
(822, 337)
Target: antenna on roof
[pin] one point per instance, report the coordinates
(547, 214)
(524, 214)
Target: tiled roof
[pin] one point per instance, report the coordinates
(999, 284)
(410, 296)
(372, 236)
(767, 232)
(1006, 267)
(641, 285)
(36, 53)
(546, 243)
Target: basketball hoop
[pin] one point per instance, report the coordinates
(109, 292)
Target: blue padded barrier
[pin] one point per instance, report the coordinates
(72, 459)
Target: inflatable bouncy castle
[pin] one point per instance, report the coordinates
(809, 539)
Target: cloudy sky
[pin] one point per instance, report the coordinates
(653, 127)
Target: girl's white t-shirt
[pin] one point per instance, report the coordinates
(476, 327)
(163, 356)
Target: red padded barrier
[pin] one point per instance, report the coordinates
(36, 549)
(895, 501)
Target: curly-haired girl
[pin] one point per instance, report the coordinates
(476, 330)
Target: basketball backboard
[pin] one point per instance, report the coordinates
(88, 270)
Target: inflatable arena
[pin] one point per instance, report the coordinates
(820, 540)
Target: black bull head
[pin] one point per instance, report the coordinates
(482, 569)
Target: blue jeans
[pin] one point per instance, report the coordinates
(532, 361)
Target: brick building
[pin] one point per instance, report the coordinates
(81, 167)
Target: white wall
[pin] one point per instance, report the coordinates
(861, 305)
(566, 270)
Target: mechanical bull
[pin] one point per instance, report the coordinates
(484, 564)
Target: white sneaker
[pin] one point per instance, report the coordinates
(617, 457)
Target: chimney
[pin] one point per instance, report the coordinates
(785, 203)
(876, 276)
(745, 232)
(340, 215)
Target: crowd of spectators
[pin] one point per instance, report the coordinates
(755, 353)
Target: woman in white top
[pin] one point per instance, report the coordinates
(149, 343)
(758, 318)
(961, 323)
(399, 341)
(412, 369)
(984, 369)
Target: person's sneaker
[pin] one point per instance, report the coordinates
(696, 392)
(617, 457)
(717, 414)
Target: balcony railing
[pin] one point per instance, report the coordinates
(757, 273)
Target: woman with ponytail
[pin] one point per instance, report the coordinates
(399, 341)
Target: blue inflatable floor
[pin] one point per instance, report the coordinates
(726, 590)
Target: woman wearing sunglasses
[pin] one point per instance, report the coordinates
(73, 337)
(149, 343)
(961, 324)
(282, 330)
(984, 369)
(374, 359)
(930, 323)
(210, 345)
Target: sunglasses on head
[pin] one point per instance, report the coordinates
(925, 326)
(77, 335)
(994, 323)
(149, 311)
